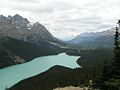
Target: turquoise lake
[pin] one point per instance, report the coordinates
(14, 74)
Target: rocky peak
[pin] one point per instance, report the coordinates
(2, 17)
(20, 28)
(9, 17)
(4, 21)
(17, 19)
(36, 26)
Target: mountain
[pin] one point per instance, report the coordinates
(104, 39)
(20, 28)
(22, 41)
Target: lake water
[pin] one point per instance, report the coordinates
(13, 74)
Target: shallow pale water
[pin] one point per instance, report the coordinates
(11, 75)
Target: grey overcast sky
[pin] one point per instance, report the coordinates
(66, 18)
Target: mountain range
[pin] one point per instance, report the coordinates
(104, 39)
(20, 28)
(18, 33)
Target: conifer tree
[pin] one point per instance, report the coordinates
(116, 62)
(113, 83)
(109, 78)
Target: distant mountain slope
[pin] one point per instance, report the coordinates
(13, 51)
(103, 39)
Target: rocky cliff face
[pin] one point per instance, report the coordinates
(20, 28)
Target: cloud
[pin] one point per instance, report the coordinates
(44, 7)
(72, 17)
(25, 1)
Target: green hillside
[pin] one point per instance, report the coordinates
(91, 58)
(56, 76)
(13, 51)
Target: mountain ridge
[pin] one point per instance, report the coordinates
(104, 39)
